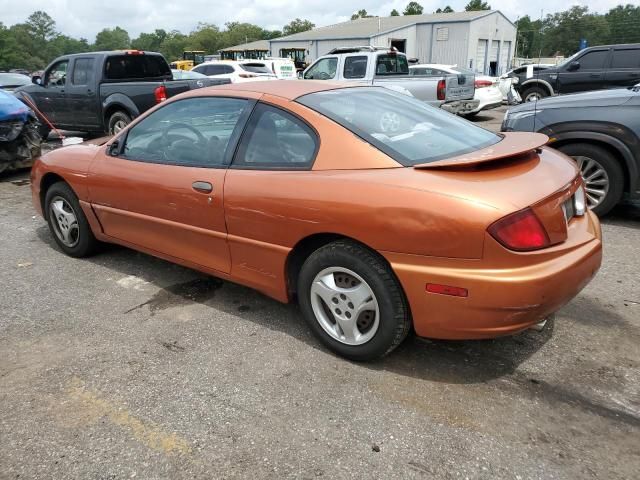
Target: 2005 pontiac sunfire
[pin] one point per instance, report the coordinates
(374, 211)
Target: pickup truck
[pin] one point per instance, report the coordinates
(594, 68)
(101, 92)
(386, 67)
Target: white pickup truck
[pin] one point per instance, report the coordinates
(389, 68)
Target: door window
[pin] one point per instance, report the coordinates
(627, 58)
(323, 69)
(593, 60)
(82, 72)
(57, 76)
(276, 140)
(355, 67)
(194, 132)
(392, 64)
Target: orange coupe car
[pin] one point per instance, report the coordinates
(375, 212)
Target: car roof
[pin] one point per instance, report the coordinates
(289, 89)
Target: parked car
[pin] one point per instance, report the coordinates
(101, 92)
(312, 195)
(600, 130)
(236, 72)
(389, 68)
(19, 137)
(11, 81)
(186, 74)
(594, 68)
(487, 90)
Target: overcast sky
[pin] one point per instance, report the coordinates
(84, 18)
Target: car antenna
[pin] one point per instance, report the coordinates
(537, 73)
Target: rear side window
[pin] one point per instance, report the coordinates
(123, 67)
(355, 67)
(276, 140)
(593, 60)
(82, 71)
(255, 67)
(391, 64)
(627, 58)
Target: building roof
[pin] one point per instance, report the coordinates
(372, 26)
(257, 45)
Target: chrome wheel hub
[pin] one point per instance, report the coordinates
(390, 122)
(64, 222)
(595, 178)
(345, 306)
(119, 125)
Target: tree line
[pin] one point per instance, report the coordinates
(33, 44)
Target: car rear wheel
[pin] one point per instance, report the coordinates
(67, 223)
(117, 121)
(602, 173)
(532, 94)
(352, 301)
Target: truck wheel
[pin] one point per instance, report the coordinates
(602, 173)
(531, 94)
(352, 301)
(117, 121)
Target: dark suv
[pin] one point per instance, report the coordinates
(594, 68)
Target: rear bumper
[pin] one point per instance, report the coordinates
(501, 300)
(461, 107)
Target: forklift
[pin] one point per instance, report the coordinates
(190, 58)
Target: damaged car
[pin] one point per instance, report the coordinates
(19, 137)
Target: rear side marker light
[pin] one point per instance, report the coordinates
(520, 231)
(160, 93)
(441, 89)
(483, 83)
(579, 201)
(447, 290)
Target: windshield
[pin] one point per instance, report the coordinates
(404, 128)
(255, 68)
(568, 60)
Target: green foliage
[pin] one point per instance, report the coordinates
(475, 5)
(297, 26)
(446, 9)
(413, 8)
(360, 14)
(394, 13)
(112, 39)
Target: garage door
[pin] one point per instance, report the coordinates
(493, 57)
(481, 56)
(505, 57)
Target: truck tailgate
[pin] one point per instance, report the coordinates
(460, 87)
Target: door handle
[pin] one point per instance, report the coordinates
(202, 187)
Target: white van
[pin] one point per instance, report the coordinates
(283, 68)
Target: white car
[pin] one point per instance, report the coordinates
(237, 72)
(283, 68)
(488, 91)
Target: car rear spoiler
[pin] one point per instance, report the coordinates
(511, 145)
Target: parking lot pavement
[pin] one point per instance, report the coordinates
(124, 365)
(490, 119)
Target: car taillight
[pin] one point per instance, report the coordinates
(520, 231)
(160, 93)
(246, 75)
(483, 83)
(442, 89)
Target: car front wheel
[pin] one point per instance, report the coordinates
(533, 94)
(352, 301)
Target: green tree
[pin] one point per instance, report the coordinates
(395, 13)
(563, 31)
(151, 42)
(446, 9)
(236, 33)
(112, 39)
(413, 8)
(624, 24)
(360, 14)
(173, 45)
(297, 26)
(474, 5)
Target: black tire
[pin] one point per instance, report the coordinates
(610, 165)
(533, 91)
(44, 131)
(395, 319)
(471, 116)
(86, 241)
(117, 121)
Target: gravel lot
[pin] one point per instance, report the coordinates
(123, 366)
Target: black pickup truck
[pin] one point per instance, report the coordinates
(101, 92)
(594, 68)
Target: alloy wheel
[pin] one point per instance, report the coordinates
(64, 222)
(595, 178)
(345, 306)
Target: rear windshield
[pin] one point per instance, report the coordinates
(255, 67)
(391, 64)
(406, 129)
(121, 67)
(11, 79)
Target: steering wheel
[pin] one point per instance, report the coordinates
(175, 126)
(324, 76)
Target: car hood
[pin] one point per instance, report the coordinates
(596, 98)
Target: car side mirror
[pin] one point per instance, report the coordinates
(573, 66)
(300, 74)
(36, 79)
(114, 149)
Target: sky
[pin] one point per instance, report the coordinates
(84, 18)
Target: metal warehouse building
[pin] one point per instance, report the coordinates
(483, 40)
